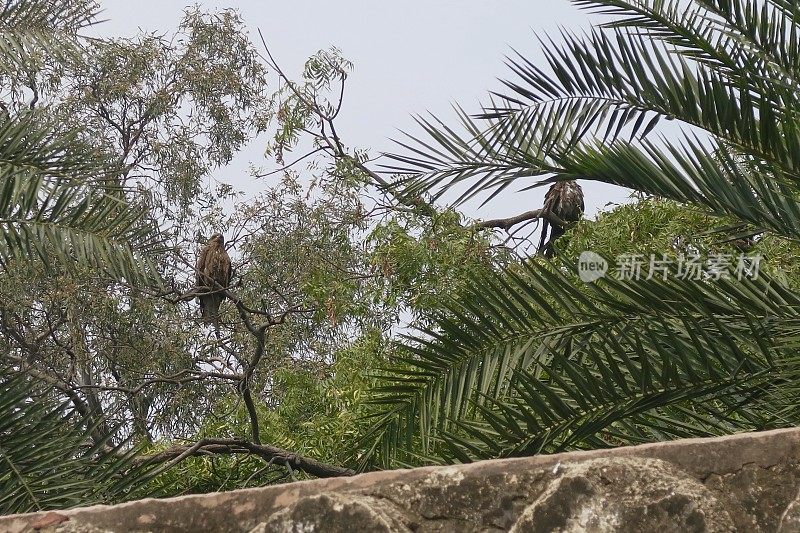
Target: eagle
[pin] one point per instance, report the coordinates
(564, 199)
(213, 271)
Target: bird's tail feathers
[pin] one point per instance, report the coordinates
(209, 309)
(543, 239)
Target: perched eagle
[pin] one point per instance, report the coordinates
(213, 271)
(564, 199)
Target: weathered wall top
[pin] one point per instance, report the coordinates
(747, 482)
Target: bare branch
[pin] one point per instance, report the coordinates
(269, 453)
(290, 165)
(507, 223)
(334, 144)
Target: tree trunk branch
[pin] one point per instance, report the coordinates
(269, 453)
(507, 223)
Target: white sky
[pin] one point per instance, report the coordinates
(410, 57)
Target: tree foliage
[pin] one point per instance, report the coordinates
(367, 326)
(60, 198)
(326, 268)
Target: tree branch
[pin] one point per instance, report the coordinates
(273, 454)
(334, 144)
(507, 223)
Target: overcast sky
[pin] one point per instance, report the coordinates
(410, 57)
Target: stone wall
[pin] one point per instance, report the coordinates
(746, 482)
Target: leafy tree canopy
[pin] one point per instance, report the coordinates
(366, 325)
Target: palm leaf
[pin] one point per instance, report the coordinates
(660, 61)
(31, 29)
(58, 200)
(559, 367)
(46, 459)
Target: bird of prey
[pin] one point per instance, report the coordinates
(213, 274)
(564, 199)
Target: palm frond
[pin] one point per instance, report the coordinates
(31, 28)
(618, 352)
(661, 62)
(47, 459)
(59, 199)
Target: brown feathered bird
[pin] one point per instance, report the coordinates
(213, 272)
(564, 199)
